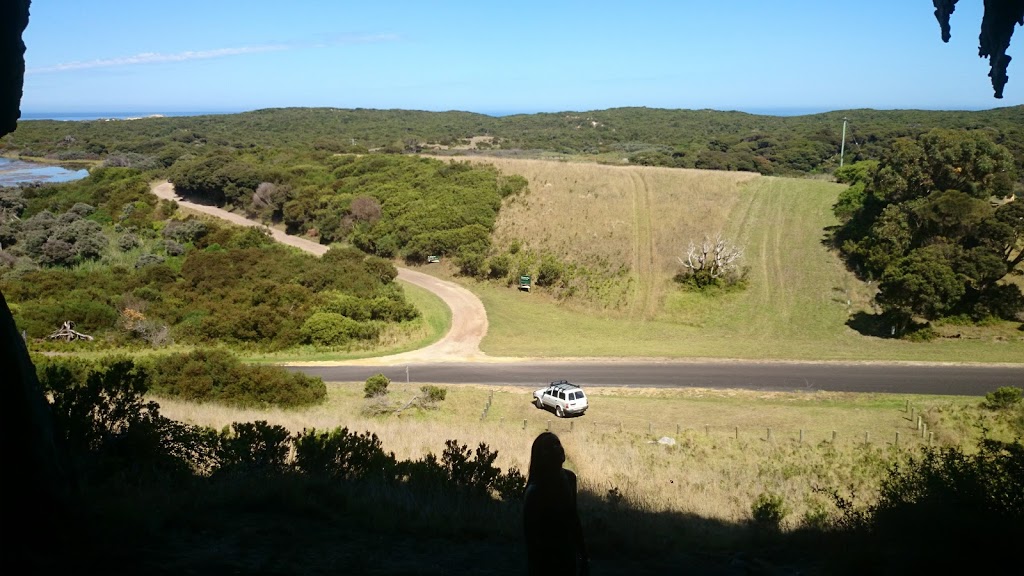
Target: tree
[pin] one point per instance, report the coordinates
(712, 261)
(997, 27)
(939, 224)
(922, 283)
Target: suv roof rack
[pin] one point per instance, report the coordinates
(564, 384)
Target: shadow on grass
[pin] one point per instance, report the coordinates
(297, 524)
(870, 324)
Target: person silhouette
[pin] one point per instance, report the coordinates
(551, 523)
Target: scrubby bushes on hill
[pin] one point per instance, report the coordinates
(217, 376)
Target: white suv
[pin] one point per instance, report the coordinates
(565, 397)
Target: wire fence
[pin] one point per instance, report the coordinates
(916, 433)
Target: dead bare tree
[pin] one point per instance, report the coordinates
(712, 260)
(67, 333)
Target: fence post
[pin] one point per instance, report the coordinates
(524, 424)
(801, 435)
(833, 436)
(707, 430)
(919, 422)
(677, 429)
(931, 437)
(549, 425)
(620, 425)
(737, 432)
(924, 432)
(908, 406)
(866, 436)
(650, 427)
(897, 438)
(570, 425)
(769, 438)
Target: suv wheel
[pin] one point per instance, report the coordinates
(558, 412)
(537, 403)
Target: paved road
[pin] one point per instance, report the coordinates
(904, 378)
(456, 358)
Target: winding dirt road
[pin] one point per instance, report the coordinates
(469, 318)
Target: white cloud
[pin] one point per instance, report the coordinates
(157, 58)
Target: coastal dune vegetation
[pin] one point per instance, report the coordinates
(743, 479)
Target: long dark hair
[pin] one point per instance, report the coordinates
(546, 458)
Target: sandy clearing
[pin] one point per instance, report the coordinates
(469, 318)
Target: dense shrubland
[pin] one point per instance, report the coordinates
(644, 136)
(390, 206)
(129, 270)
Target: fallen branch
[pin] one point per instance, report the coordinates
(67, 333)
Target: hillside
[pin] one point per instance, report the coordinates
(707, 139)
(623, 228)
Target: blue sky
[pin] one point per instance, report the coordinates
(505, 57)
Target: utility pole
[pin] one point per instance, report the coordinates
(842, 147)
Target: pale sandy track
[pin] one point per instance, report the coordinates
(469, 319)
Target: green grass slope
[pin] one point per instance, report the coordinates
(801, 302)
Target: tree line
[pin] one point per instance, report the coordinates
(709, 139)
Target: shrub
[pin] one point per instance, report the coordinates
(499, 266)
(769, 510)
(471, 263)
(950, 500)
(434, 393)
(329, 329)
(127, 242)
(1003, 398)
(217, 376)
(102, 421)
(342, 454)
(253, 447)
(550, 271)
(148, 260)
(376, 385)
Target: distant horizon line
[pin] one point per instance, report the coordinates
(87, 114)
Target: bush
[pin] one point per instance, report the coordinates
(499, 266)
(1004, 398)
(376, 385)
(330, 329)
(550, 271)
(109, 431)
(471, 263)
(949, 500)
(253, 447)
(127, 242)
(769, 510)
(343, 455)
(148, 260)
(217, 376)
(434, 393)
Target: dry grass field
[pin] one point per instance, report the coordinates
(729, 446)
(611, 219)
(626, 227)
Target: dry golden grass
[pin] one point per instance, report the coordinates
(721, 461)
(627, 227)
(611, 218)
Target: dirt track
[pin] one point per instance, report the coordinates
(469, 319)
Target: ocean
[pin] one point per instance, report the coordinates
(82, 116)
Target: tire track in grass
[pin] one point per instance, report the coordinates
(643, 305)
